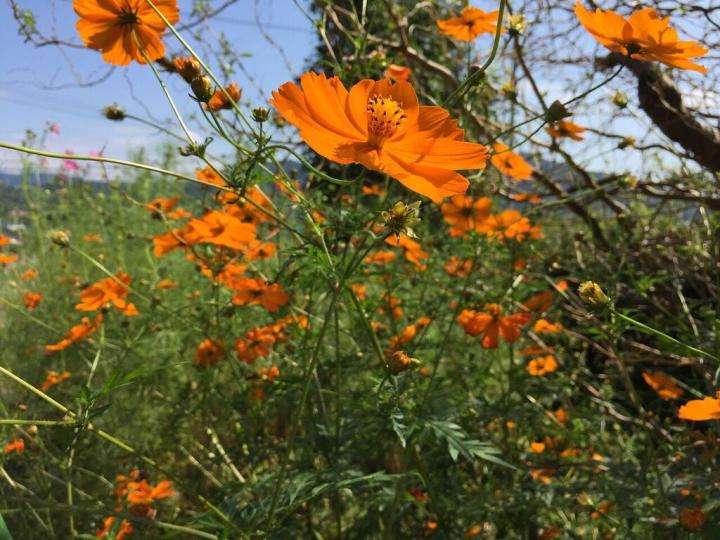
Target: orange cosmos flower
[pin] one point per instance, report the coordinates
(4, 240)
(257, 343)
(80, 331)
(492, 324)
(700, 410)
(142, 493)
(220, 101)
(32, 299)
(543, 326)
(510, 164)
(565, 128)
(561, 415)
(7, 259)
(381, 126)
(464, 214)
(456, 267)
(398, 73)
(471, 23)
(109, 25)
(360, 291)
(250, 291)
(373, 189)
(663, 384)
(542, 365)
(392, 305)
(691, 518)
(209, 352)
(532, 198)
(539, 302)
(643, 35)
(123, 531)
(408, 334)
(380, 257)
(164, 284)
(28, 275)
(510, 225)
(413, 252)
(159, 207)
(108, 291)
(218, 228)
(53, 378)
(16, 445)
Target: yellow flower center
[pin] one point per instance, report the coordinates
(385, 116)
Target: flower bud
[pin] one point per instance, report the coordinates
(59, 238)
(187, 67)
(114, 112)
(628, 141)
(202, 88)
(517, 24)
(399, 361)
(260, 114)
(401, 218)
(591, 293)
(620, 100)
(556, 112)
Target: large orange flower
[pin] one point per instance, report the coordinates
(471, 23)
(108, 26)
(381, 126)
(643, 35)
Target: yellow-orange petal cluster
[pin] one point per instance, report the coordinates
(510, 164)
(471, 23)
(381, 126)
(644, 35)
(116, 27)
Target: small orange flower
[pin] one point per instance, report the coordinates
(249, 291)
(408, 334)
(537, 447)
(691, 518)
(542, 366)
(701, 409)
(381, 126)
(561, 416)
(4, 240)
(510, 164)
(53, 378)
(565, 128)
(164, 284)
(373, 189)
(360, 291)
(220, 101)
(456, 267)
(464, 214)
(412, 250)
(492, 324)
(6, 259)
(398, 73)
(16, 445)
(393, 306)
(643, 35)
(92, 237)
(142, 493)
(471, 23)
(28, 275)
(510, 225)
(542, 475)
(165, 207)
(532, 198)
(663, 385)
(380, 257)
(80, 331)
(257, 343)
(539, 302)
(108, 291)
(209, 352)
(543, 326)
(123, 531)
(32, 299)
(109, 25)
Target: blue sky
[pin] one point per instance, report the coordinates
(39, 85)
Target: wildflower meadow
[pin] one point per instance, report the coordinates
(457, 277)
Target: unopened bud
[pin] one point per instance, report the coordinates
(187, 67)
(59, 238)
(260, 114)
(629, 181)
(626, 142)
(556, 112)
(619, 99)
(399, 361)
(591, 293)
(202, 87)
(114, 112)
(401, 218)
